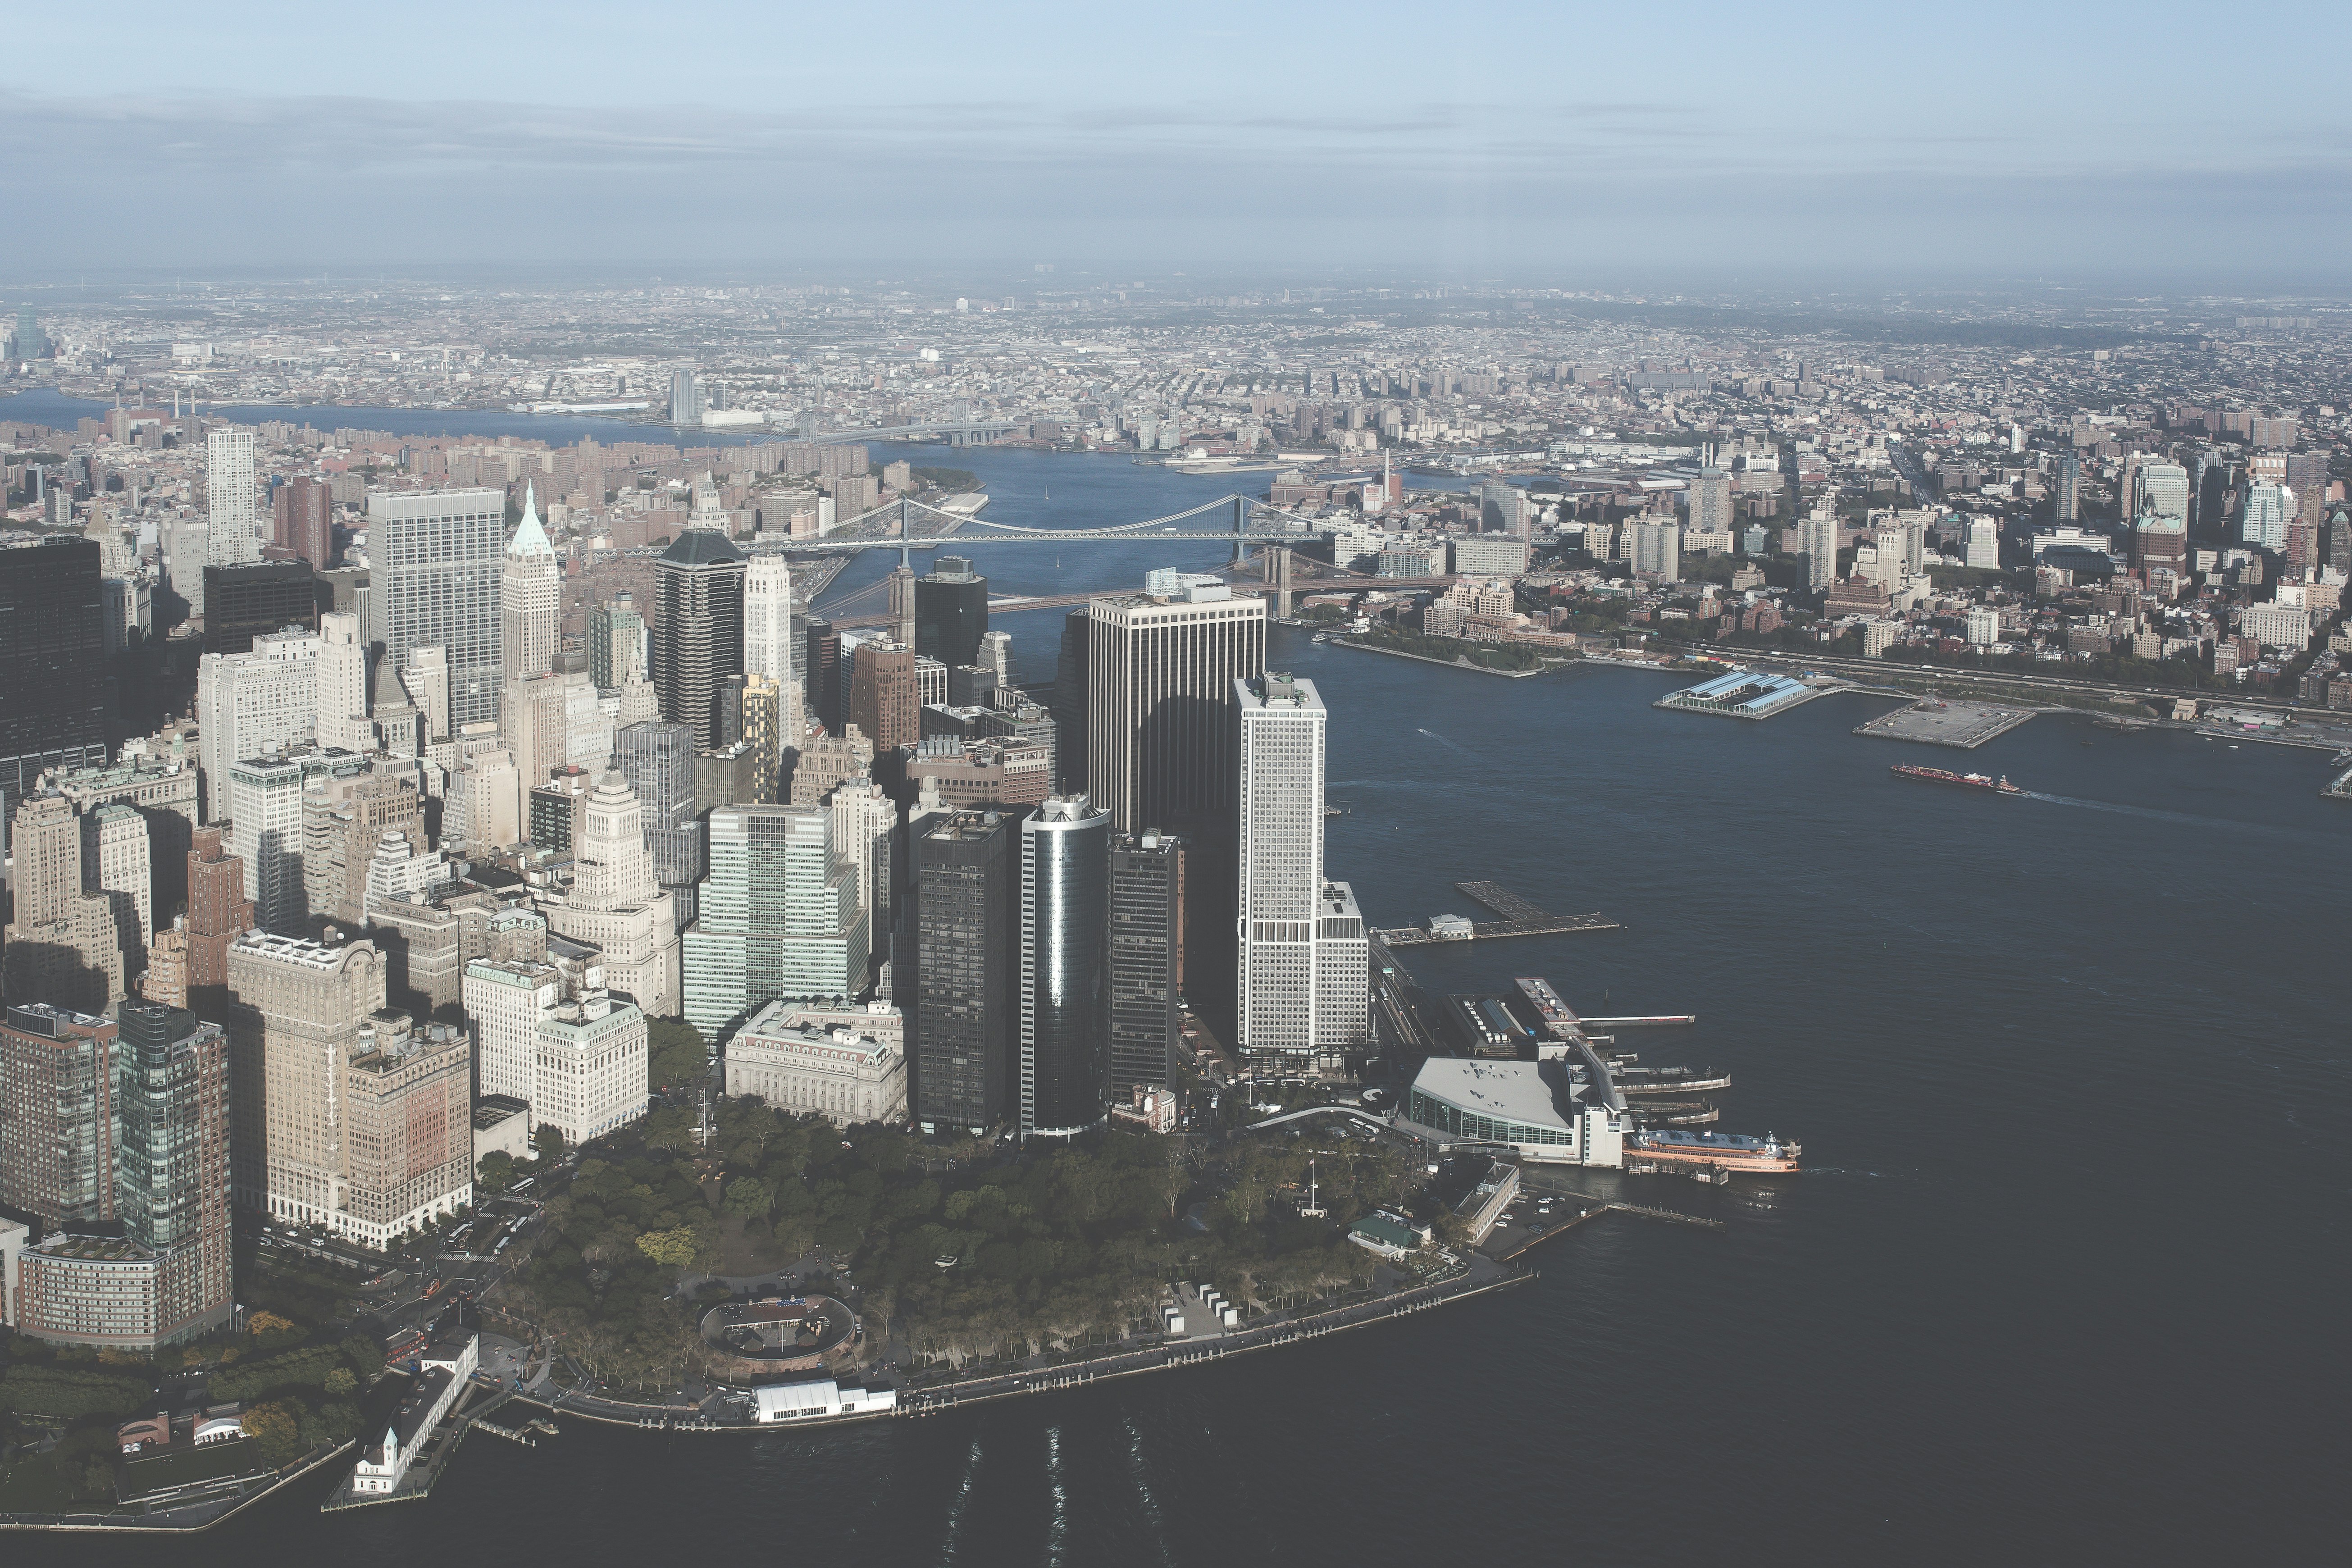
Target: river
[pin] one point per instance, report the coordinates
(2064, 1279)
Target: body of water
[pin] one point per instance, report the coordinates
(2064, 1279)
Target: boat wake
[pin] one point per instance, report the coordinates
(1447, 745)
(2155, 813)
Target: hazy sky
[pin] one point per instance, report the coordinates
(1471, 138)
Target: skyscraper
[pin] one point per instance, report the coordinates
(1063, 981)
(264, 797)
(951, 612)
(294, 1023)
(2159, 490)
(884, 701)
(656, 757)
(616, 905)
(770, 648)
(1303, 988)
(302, 519)
(616, 643)
(531, 597)
(1710, 501)
(436, 560)
(256, 598)
(55, 702)
(1658, 548)
(2268, 507)
(58, 1112)
(962, 985)
(698, 580)
(252, 704)
(2069, 498)
(779, 916)
(1146, 958)
(172, 1164)
(1817, 541)
(229, 479)
(1160, 675)
(1070, 701)
(686, 396)
(65, 946)
(340, 713)
(219, 910)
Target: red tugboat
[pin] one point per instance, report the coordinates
(1974, 780)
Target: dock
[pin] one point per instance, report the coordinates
(1746, 694)
(1520, 917)
(2341, 789)
(1597, 1208)
(1940, 721)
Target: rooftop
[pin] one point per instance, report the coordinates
(1509, 1091)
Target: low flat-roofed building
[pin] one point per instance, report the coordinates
(502, 1123)
(822, 1398)
(830, 1068)
(1537, 1109)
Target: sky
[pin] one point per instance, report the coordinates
(1471, 140)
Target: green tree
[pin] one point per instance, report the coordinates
(749, 1197)
(547, 1141)
(676, 1053)
(276, 1430)
(674, 1249)
(498, 1170)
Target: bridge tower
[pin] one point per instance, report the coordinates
(1241, 526)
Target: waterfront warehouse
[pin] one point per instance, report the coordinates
(1536, 1110)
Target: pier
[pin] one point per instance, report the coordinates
(1520, 917)
(1597, 1208)
(1937, 721)
(1746, 694)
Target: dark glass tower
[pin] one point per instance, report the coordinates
(1065, 969)
(1070, 701)
(56, 700)
(1146, 958)
(244, 602)
(823, 668)
(951, 612)
(699, 641)
(965, 949)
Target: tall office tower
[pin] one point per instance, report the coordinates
(2069, 496)
(1710, 501)
(1070, 689)
(59, 1116)
(760, 728)
(116, 866)
(773, 648)
(166, 980)
(865, 839)
(1146, 958)
(55, 702)
(184, 548)
(1160, 702)
(1303, 987)
(1981, 545)
(1063, 983)
(435, 565)
(902, 603)
(172, 1169)
(1657, 548)
(951, 612)
(252, 704)
(616, 905)
(2263, 525)
(264, 823)
(884, 701)
(966, 945)
(504, 1001)
(2159, 490)
(686, 396)
(616, 643)
(425, 680)
(2158, 541)
(219, 910)
(65, 946)
(302, 516)
(408, 1148)
(535, 727)
(826, 760)
(340, 711)
(1817, 541)
(589, 1068)
(254, 599)
(294, 1022)
(658, 760)
(229, 511)
(531, 597)
(2307, 476)
(779, 916)
(821, 673)
(699, 643)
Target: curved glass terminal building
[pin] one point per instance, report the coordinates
(1065, 975)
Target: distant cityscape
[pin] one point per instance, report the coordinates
(396, 820)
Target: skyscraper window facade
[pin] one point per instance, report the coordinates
(435, 562)
(1064, 968)
(1160, 675)
(699, 582)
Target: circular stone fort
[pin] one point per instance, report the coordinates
(780, 1333)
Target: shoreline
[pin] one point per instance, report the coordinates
(96, 1524)
(1447, 663)
(940, 1399)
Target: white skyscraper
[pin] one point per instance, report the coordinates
(531, 597)
(251, 704)
(435, 567)
(2268, 508)
(229, 480)
(1983, 546)
(2161, 489)
(342, 705)
(616, 905)
(768, 647)
(1303, 985)
(1817, 538)
(505, 1001)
